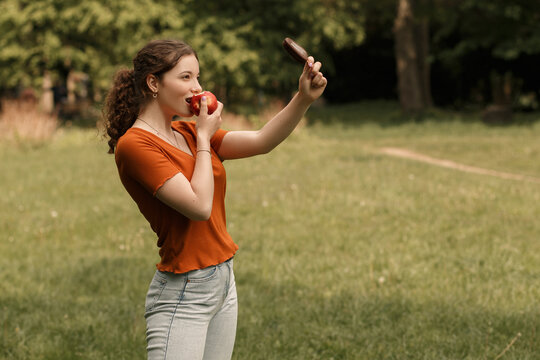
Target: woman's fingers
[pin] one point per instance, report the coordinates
(204, 106)
(219, 109)
(209, 123)
(308, 65)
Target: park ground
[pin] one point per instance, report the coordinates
(346, 252)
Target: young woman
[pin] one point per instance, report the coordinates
(174, 173)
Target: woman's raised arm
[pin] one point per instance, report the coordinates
(241, 144)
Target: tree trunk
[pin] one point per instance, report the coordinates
(500, 111)
(71, 85)
(422, 44)
(47, 97)
(411, 50)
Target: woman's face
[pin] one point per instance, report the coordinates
(178, 85)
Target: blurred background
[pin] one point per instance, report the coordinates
(459, 54)
(346, 251)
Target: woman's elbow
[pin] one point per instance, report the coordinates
(263, 144)
(265, 148)
(202, 214)
(189, 205)
(195, 213)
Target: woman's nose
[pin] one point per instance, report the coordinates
(196, 87)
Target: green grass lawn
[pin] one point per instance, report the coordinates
(345, 253)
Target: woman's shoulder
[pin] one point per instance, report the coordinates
(134, 141)
(133, 136)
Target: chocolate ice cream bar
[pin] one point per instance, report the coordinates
(297, 52)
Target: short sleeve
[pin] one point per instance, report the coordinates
(144, 161)
(217, 139)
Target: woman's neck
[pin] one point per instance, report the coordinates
(155, 118)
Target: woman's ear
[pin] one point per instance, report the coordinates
(152, 83)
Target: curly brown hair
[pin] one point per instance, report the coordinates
(130, 93)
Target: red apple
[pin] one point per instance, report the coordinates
(211, 101)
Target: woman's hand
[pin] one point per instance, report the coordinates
(312, 82)
(207, 125)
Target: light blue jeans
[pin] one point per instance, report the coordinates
(192, 316)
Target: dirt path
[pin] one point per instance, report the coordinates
(407, 154)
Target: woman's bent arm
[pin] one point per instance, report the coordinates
(194, 199)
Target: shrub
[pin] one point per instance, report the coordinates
(23, 122)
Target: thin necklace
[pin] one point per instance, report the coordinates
(157, 132)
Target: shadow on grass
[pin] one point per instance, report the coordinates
(291, 321)
(90, 311)
(95, 311)
(389, 113)
(384, 113)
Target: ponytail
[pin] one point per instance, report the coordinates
(121, 106)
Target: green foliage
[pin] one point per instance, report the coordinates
(487, 51)
(239, 42)
(507, 28)
(90, 36)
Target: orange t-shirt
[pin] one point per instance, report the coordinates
(145, 162)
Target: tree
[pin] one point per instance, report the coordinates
(412, 50)
(238, 41)
(60, 36)
(492, 48)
